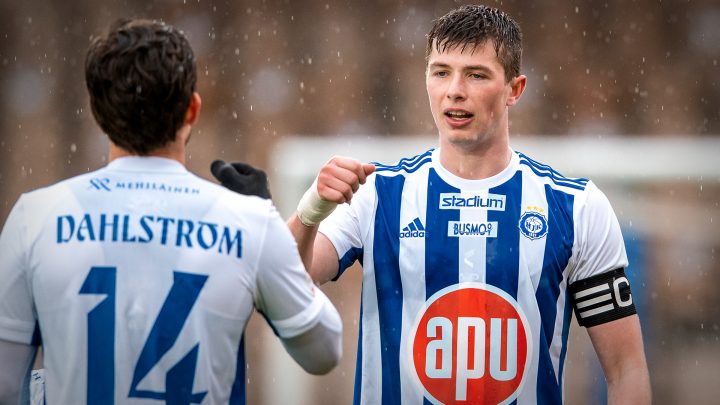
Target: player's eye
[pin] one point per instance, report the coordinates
(441, 73)
(477, 76)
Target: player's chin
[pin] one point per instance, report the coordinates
(461, 136)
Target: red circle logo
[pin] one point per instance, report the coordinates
(471, 345)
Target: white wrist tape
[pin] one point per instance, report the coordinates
(312, 208)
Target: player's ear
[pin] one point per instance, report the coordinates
(517, 85)
(193, 110)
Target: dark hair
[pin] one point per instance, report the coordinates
(141, 77)
(472, 25)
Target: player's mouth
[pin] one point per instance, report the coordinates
(457, 117)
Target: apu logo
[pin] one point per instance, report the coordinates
(533, 223)
(471, 345)
(414, 229)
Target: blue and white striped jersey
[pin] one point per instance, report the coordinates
(464, 281)
(141, 278)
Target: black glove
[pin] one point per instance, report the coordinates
(241, 178)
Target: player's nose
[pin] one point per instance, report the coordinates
(456, 89)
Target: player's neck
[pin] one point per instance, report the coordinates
(475, 163)
(174, 150)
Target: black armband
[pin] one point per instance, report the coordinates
(602, 298)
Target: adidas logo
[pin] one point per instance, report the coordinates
(414, 229)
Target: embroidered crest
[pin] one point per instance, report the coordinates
(533, 223)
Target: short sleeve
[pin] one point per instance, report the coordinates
(285, 295)
(600, 245)
(348, 225)
(17, 316)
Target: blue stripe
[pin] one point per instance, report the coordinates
(503, 252)
(358, 360)
(37, 335)
(408, 169)
(441, 252)
(555, 174)
(355, 253)
(550, 176)
(558, 248)
(404, 162)
(386, 247)
(237, 395)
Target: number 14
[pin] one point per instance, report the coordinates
(165, 331)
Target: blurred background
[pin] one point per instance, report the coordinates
(624, 92)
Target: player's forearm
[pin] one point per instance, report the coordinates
(316, 251)
(305, 238)
(631, 386)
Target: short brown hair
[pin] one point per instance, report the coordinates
(141, 76)
(472, 25)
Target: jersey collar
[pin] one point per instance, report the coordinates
(146, 164)
(481, 184)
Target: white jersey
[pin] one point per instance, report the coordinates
(140, 278)
(464, 296)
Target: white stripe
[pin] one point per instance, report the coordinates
(590, 291)
(412, 276)
(596, 300)
(596, 311)
(556, 343)
(371, 367)
(472, 251)
(531, 260)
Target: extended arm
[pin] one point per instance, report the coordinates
(302, 316)
(336, 183)
(619, 347)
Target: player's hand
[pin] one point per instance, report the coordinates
(341, 177)
(336, 183)
(241, 178)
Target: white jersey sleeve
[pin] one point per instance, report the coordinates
(17, 319)
(600, 246)
(280, 268)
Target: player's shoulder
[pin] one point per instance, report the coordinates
(235, 202)
(53, 194)
(544, 173)
(405, 166)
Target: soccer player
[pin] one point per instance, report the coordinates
(474, 255)
(140, 277)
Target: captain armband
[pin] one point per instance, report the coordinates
(602, 298)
